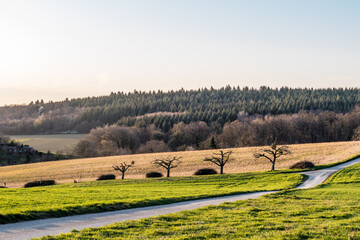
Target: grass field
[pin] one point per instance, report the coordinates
(68, 199)
(243, 161)
(329, 211)
(54, 143)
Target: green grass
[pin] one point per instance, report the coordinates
(67, 199)
(329, 211)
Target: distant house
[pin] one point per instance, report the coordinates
(27, 149)
(16, 149)
(12, 149)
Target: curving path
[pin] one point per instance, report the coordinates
(319, 176)
(55, 226)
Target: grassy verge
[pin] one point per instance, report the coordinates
(319, 167)
(337, 163)
(329, 211)
(21, 204)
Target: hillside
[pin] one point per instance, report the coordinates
(96, 196)
(329, 211)
(243, 161)
(164, 109)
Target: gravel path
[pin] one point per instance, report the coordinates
(319, 176)
(55, 226)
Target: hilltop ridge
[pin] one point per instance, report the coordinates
(164, 109)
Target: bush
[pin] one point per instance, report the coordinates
(40, 183)
(302, 165)
(106, 177)
(205, 171)
(153, 175)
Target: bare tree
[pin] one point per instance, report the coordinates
(153, 146)
(220, 159)
(356, 135)
(273, 153)
(123, 167)
(168, 163)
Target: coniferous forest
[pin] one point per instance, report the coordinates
(177, 120)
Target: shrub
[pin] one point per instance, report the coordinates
(153, 175)
(40, 183)
(205, 171)
(106, 177)
(302, 165)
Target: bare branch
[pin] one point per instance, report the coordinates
(168, 163)
(273, 153)
(258, 155)
(123, 167)
(219, 159)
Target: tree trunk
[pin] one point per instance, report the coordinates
(122, 175)
(168, 172)
(273, 166)
(221, 169)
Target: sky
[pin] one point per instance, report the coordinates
(59, 49)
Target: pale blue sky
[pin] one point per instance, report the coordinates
(56, 49)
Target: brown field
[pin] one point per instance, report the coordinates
(243, 161)
(63, 143)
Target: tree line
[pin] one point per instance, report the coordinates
(219, 159)
(302, 127)
(166, 109)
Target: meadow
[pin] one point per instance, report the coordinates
(329, 211)
(242, 161)
(55, 143)
(19, 204)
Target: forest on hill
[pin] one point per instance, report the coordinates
(215, 107)
(142, 122)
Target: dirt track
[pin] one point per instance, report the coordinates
(54, 226)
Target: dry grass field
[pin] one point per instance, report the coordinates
(243, 161)
(54, 143)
